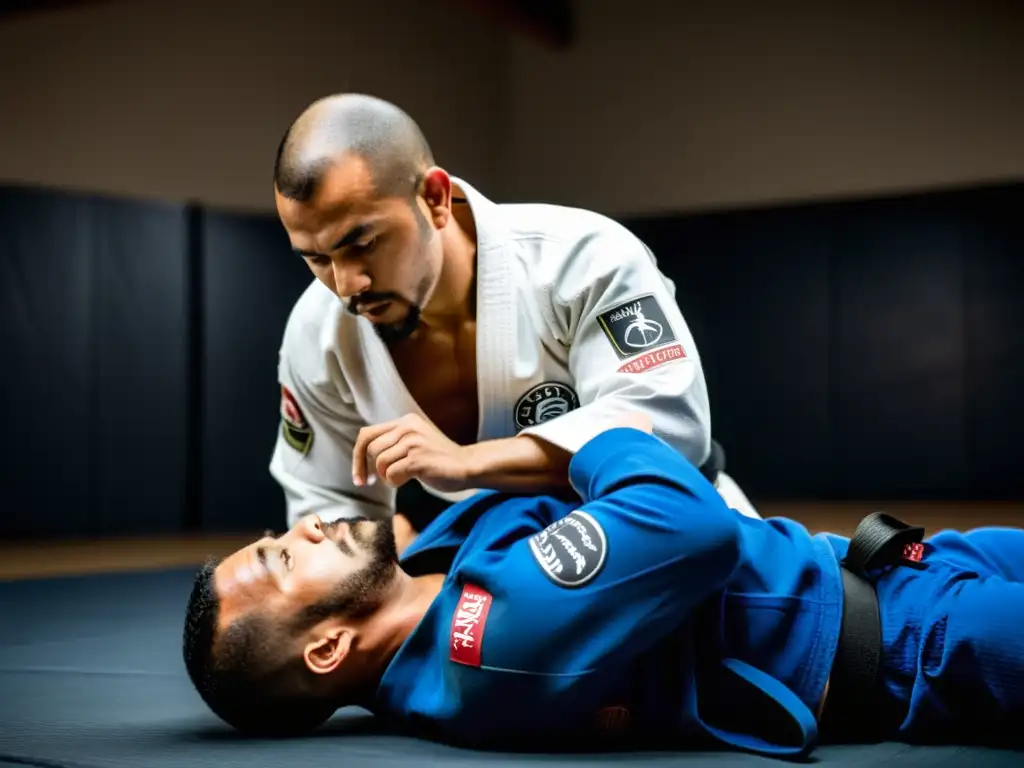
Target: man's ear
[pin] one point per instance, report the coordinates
(324, 654)
(437, 194)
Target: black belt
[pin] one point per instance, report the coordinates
(854, 707)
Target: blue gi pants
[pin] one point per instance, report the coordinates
(953, 639)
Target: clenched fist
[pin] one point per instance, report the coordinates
(410, 448)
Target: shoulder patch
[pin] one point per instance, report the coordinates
(545, 402)
(294, 427)
(636, 326)
(572, 550)
(468, 624)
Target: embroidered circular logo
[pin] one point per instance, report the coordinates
(571, 551)
(545, 402)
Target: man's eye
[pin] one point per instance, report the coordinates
(362, 247)
(286, 556)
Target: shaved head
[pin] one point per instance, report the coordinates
(385, 138)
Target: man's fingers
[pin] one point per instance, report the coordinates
(360, 459)
(393, 453)
(400, 472)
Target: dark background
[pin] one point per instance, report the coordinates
(857, 349)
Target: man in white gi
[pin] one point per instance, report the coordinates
(453, 341)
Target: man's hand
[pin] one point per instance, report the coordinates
(410, 448)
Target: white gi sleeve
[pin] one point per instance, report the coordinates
(312, 459)
(629, 346)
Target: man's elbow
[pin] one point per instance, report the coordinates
(707, 529)
(725, 547)
(683, 424)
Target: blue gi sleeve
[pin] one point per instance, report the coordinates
(652, 540)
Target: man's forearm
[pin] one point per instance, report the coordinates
(523, 463)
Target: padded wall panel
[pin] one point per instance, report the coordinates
(140, 351)
(251, 281)
(47, 327)
(770, 395)
(898, 344)
(994, 254)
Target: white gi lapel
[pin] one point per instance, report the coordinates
(496, 314)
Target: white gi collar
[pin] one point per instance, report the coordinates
(491, 230)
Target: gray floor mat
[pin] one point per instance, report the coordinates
(91, 677)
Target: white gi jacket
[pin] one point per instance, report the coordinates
(575, 324)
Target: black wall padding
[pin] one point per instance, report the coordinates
(865, 350)
(94, 364)
(141, 366)
(898, 351)
(993, 249)
(47, 379)
(251, 281)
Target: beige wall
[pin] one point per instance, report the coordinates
(708, 103)
(189, 99)
(658, 106)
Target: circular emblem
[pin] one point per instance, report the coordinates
(545, 402)
(572, 550)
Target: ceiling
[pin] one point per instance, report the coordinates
(547, 21)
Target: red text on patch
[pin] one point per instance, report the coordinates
(653, 359)
(468, 624)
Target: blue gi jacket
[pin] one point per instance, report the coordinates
(559, 622)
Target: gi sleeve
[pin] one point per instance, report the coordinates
(629, 347)
(312, 458)
(652, 541)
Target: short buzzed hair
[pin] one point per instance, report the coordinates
(386, 138)
(244, 674)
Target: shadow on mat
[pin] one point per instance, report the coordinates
(344, 726)
(356, 725)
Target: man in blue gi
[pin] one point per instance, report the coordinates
(645, 611)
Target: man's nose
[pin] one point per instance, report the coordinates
(311, 527)
(349, 278)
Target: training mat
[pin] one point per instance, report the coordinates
(91, 677)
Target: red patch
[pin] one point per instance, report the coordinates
(290, 410)
(913, 552)
(653, 359)
(468, 624)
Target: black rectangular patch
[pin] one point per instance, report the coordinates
(636, 326)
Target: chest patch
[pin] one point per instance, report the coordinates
(572, 550)
(636, 326)
(468, 624)
(545, 402)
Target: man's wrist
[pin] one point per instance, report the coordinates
(516, 463)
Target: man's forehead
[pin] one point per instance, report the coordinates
(347, 181)
(343, 200)
(241, 570)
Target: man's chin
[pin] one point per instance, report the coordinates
(390, 329)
